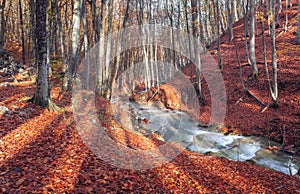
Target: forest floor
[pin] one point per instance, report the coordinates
(42, 152)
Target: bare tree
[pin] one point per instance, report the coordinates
(22, 32)
(42, 93)
(246, 12)
(75, 47)
(299, 21)
(274, 94)
(252, 38)
(234, 10)
(230, 22)
(286, 16)
(101, 35)
(218, 34)
(86, 46)
(279, 6)
(265, 52)
(123, 26)
(189, 39)
(61, 32)
(107, 70)
(33, 25)
(195, 28)
(291, 3)
(2, 29)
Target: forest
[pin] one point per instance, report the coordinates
(150, 96)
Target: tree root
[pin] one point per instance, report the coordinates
(256, 98)
(52, 107)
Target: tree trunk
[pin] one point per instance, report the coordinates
(42, 93)
(279, 10)
(118, 60)
(96, 24)
(107, 75)
(170, 16)
(86, 48)
(252, 39)
(274, 57)
(22, 32)
(195, 22)
(265, 55)
(234, 10)
(48, 40)
(197, 59)
(223, 20)
(33, 23)
(291, 3)
(286, 16)
(101, 58)
(230, 22)
(218, 34)
(2, 32)
(246, 11)
(299, 21)
(201, 24)
(189, 39)
(61, 32)
(280, 6)
(75, 47)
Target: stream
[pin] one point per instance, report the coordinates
(177, 126)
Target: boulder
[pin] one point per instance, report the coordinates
(4, 110)
(27, 72)
(176, 94)
(8, 65)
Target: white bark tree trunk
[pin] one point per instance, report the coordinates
(274, 94)
(75, 46)
(234, 10)
(252, 38)
(86, 48)
(279, 6)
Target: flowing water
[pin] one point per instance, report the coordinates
(177, 126)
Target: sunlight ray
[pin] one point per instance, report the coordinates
(26, 133)
(66, 167)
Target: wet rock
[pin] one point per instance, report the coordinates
(4, 110)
